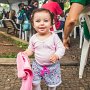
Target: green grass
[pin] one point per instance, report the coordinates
(8, 55)
(18, 44)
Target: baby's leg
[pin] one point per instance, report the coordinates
(36, 87)
(51, 88)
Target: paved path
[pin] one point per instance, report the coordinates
(70, 80)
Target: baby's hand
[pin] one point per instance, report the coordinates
(54, 58)
(25, 77)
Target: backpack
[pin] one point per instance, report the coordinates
(26, 26)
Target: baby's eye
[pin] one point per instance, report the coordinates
(37, 20)
(45, 20)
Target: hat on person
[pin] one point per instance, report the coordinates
(20, 4)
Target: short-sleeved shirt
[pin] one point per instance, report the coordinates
(43, 49)
(83, 2)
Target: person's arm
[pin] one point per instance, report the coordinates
(30, 50)
(71, 20)
(60, 49)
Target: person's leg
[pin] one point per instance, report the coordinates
(52, 77)
(36, 87)
(36, 76)
(51, 88)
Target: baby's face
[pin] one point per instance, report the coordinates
(42, 22)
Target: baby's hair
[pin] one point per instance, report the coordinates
(41, 10)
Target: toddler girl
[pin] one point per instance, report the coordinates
(48, 50)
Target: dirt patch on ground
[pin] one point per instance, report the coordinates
(10, 47)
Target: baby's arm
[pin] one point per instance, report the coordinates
(60, 50)
(28, 52)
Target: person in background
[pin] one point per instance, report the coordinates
(47, 48)
(33, 5)
(12, 15)
(22, 9)
(77, 6)
(4, 13)
(55, 8)
(21, 6)
(21, 14)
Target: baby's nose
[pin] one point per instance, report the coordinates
(42, 22)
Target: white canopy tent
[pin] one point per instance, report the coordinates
(11, 1)
(13, 4)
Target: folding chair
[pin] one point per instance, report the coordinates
(58, 31)
(81, 29)
(85, 48)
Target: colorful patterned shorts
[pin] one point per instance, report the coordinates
(51, 74)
